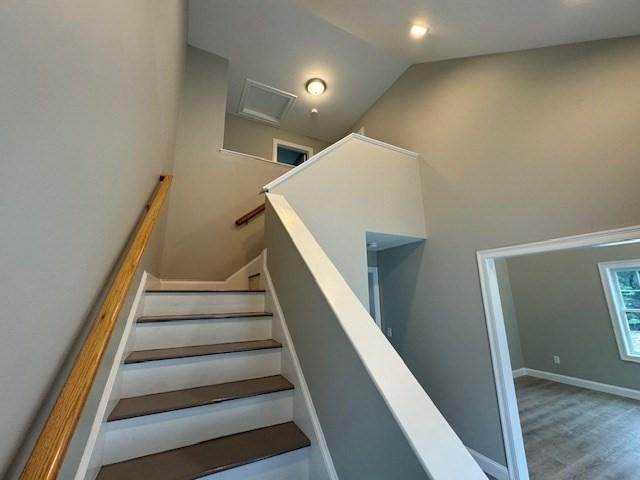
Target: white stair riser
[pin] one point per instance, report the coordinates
(193, 303)
(136, 437)
(177, 374)
(289, 466)
(184, 333)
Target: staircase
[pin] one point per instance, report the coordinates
(202, 395)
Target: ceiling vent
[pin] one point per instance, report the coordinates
(264, 103)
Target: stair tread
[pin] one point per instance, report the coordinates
(199, 350)
(211, 456)
(205, 291)
(200, 316)
(198, 396)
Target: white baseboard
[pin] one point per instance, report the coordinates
(582, 383)
(307, 419)
(91, 459)
(520, 372)
(493, 468)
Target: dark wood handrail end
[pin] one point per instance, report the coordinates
(245, 219)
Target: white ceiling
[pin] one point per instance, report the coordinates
(281, 44)
(361, 46)
(462, 28)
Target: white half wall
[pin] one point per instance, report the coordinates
(304, 413)
(355, 186)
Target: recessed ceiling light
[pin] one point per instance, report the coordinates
(314, 111)
(418, 30)
(316, 86)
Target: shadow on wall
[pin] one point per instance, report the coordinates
(399, 268)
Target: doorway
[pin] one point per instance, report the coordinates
(488, 263)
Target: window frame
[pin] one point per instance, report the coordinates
(292, 146)
(616, 306)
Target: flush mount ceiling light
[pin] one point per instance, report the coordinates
(418, 30)
(316, 86)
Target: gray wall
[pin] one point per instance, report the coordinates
(211, 189)
(254, 138)
(398, 269)
(372, 258)
(561, 310)
(517, 147)
(88, 101)
(363, 437)
(509, 314)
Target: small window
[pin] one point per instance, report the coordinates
(290, 153)
(621, 281)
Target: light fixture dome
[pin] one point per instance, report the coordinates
(316, 86)
(418, 30)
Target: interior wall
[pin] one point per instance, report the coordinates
(255, 138)
(211, 188)
(509, 315)
(356, 188)
(516, 147)
(88, 97)
(562, 310)
(396, 293)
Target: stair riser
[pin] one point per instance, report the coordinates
(125, 439)
(195, 303)
(184, 333)
(289, 466)
(177, 374)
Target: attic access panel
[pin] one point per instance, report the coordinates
(264, 103)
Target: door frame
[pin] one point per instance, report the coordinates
(502, 371)
(376, 296)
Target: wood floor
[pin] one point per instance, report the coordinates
(572, 433)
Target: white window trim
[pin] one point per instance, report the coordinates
(614, 302)
(295, 146)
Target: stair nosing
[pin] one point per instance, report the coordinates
(200, 316)
(289, 386)
(228, 466)
(273, 345)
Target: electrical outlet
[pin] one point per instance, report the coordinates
(556, 359)
(389, 332)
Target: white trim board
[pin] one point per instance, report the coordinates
(581, 383)
(503, 374)
(377, 315)
(520, 372)
(91, 459)
(254, 157)
(329, 149)
(493, 468)
(317, 435)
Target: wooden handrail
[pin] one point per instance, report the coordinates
(246, 218)
(49, 451)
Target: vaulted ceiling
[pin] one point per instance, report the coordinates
(360, 47)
